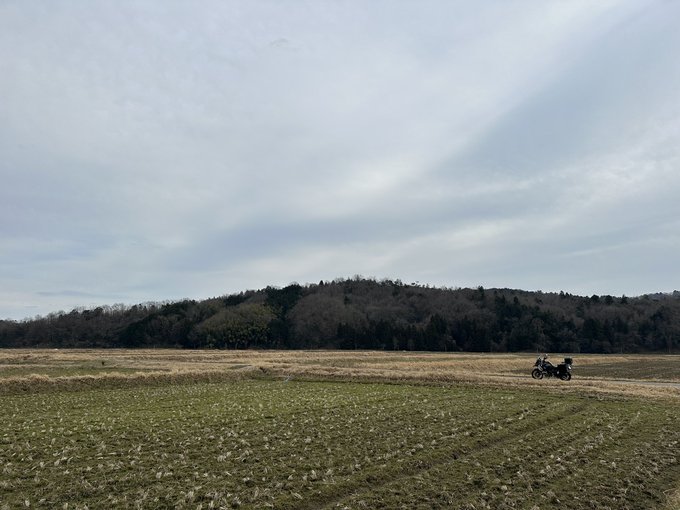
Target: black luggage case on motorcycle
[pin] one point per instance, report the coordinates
(568, 361)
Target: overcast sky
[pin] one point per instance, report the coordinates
(154, 150)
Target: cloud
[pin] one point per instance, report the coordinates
(162, 151)
(606, 99)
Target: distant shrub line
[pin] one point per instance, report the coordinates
(41, 383)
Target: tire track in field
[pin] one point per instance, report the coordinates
(637, 382)
(316, 502)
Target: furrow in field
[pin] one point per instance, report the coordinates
(385, 477)
(596, 459)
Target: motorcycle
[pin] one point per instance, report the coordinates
(543, 368)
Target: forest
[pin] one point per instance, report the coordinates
(364, 313)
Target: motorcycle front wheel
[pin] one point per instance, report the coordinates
(536, 374)
(566, 377)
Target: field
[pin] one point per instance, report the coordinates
(308, 430)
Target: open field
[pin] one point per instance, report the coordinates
(177, 429)
(612, 374)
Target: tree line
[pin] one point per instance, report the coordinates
(360, 313)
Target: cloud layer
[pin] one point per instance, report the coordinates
(161, 150)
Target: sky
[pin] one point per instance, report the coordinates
(161, 149)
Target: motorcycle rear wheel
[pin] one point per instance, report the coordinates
(566, 377)
(537, 374)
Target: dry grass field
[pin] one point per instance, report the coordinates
(347, 430)
(641, 375)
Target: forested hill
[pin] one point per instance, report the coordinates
(367, 314)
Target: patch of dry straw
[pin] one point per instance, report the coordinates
(146, 366)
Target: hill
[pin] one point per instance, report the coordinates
(363, 313)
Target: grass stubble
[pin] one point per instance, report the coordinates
(178, 429)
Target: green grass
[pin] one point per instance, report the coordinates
(266, 443)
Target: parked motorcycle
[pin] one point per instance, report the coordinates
(543, 368)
